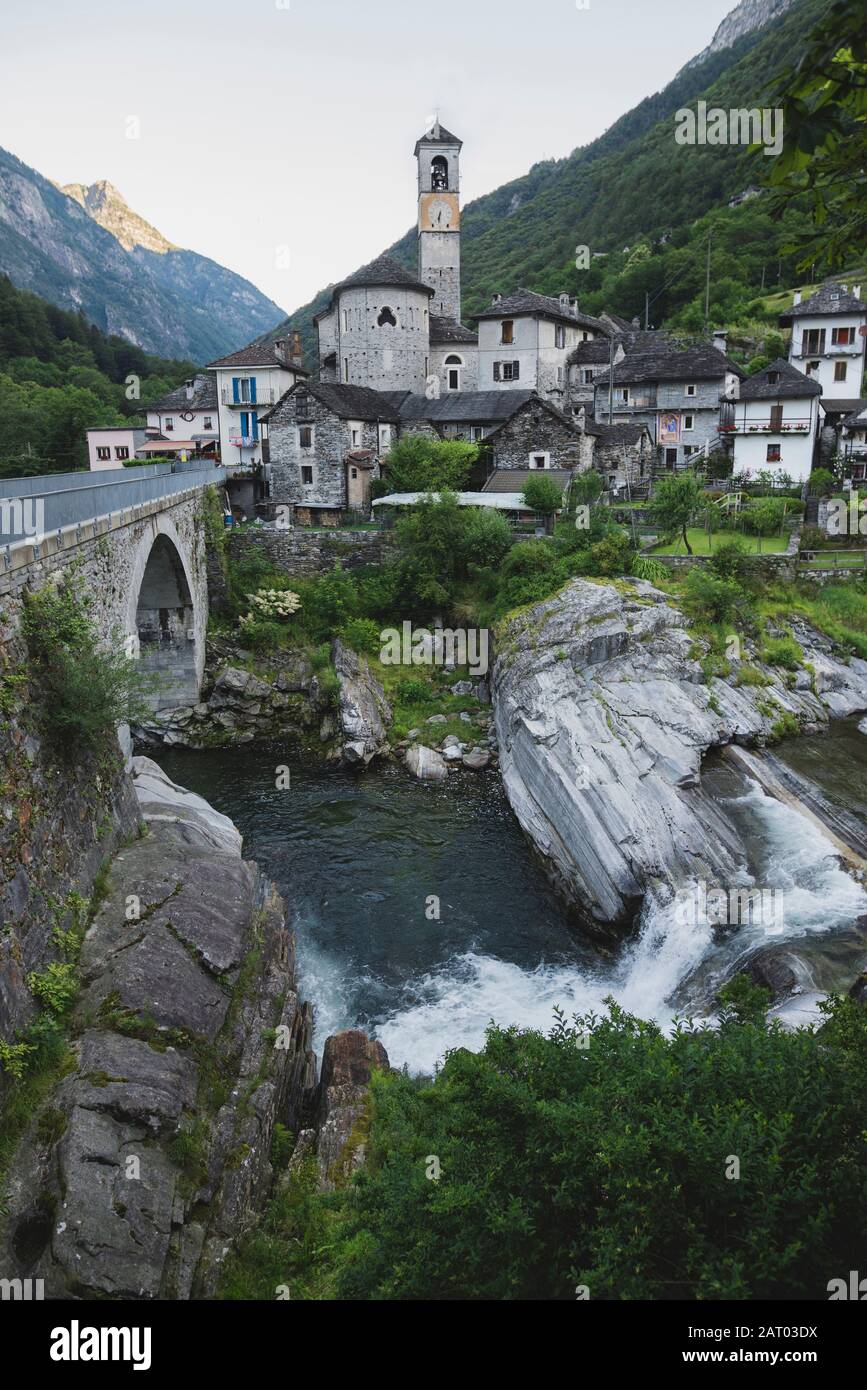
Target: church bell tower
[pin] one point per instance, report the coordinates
(439, 219)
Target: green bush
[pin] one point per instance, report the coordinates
(706, 596)
(731, 560)
(487, 538)
(262, 635)
(821, 482)
(783, 651)
(417, 463)
(85, 688)
(599, 1157)
(330, 603)
(765, 517)
(542, 495)
(530, 572)
(362, 635)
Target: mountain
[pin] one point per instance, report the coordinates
(632, 184)
(83, 248)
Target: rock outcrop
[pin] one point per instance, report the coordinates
(363, 711)
(337, 1137)
(152, 1154)
(603, 715)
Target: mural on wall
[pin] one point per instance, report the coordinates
(668, 428)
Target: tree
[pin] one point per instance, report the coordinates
(417, 463)
(542, 496)
(824, 104)
(674, 503)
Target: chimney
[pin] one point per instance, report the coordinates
(190, 388)
(564, 300)
(573, 303)
(288, 350)
(856, 290)
(720, 339)
(496, 299)
(797, 298)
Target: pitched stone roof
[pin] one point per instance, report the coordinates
(858, 418)
(438, 135)
(837, 406)
(536, 401)
(450, 331)
(204, 397)
(591, 353)
(789, 382)
(831, 298)
(513, 479)
(528, 302)
(464, 407)
(258, 355)
(617, 434)
(347, 402)
(667, 361)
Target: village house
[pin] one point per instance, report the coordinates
(675, 390)
(536, 436)
(247, 384)
(470, 417)
(113, 446)
(829, 334)
(323, 445)
(525, 339)
(624, 454)
(773, 422)
(185, 421)
(853, 444)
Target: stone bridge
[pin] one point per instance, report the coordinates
(136, 540)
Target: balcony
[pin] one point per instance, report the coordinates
(265, 396)
(796, 425)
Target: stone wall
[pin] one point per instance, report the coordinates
(304, 554)
(326, 456)
(535, 430)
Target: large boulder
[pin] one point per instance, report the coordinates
(603, 716)
(425, 764)
(364, 713)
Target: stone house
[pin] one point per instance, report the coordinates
(535, 436)
(673, 389)
(324, 442)
(470, 416)
(828, 338)
(853, 443)
(624, 454)
(525, 340)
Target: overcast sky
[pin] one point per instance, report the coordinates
(276, 136)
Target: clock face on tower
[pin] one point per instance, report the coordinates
(439, 212)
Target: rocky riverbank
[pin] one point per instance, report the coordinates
(604, 713)
(190, 1043)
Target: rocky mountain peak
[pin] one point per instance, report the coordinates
(107, 206)
(746, 17)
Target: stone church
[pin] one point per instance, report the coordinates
(394, 358)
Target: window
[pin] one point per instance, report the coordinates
(622, 395)
(439, 173)
(508, 335)
(353, 473)
(690, 390)
(585, 337)
(511, 371)
(209, 424)
(773, 378)
(305, 437)
(689, 422)
(302, 405)
(356, 437)
(345, 321)
(812, 368)
(307, 474)
(813, 340)
(776, 417)
(478, 433)
(538, 460)
(121, 452)
(346, 369)
(559, 335)
(103, 453)
(773, 454)
(840, 371)
(386, 318)
(689, 449)
(168, 423)
(587, 376)
(384, 438)
(454, 379)
(842, 337)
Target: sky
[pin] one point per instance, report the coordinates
(277, 136)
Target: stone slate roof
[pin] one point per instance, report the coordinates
(438, 136)
(536, 400)
(626, 324)
(790, 382)
(527, 302)
(668, 362)
(591, 353)
(848, 406)
(858, 418)
(829, 299)
(513, 479)
(463, 407)
(383, 273)
(618, 434)
(450, 331)
(347, 402)
(258, 355)
(204, 397)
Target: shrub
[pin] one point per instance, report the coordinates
(707, 596)
(331, 602)
(86, 689)
(417, 463)
(487, 538)
(821, 482)
(261, 635)
(56, 985)
(731, 560)
(362, 635)
(529, 572)
(542, 495)
(654, 571)
(783, 651)
(764, 518)
(414, 692)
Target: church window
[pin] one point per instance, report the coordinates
(508, 331)
(439, 173)
(345, 321)
(307, 474)
(387, 317)
(346, 369)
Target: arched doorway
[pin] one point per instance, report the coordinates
(165, 627)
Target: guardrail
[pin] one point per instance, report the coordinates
(28, 512)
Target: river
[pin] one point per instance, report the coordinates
(360, 862)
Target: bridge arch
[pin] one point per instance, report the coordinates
(164, 624)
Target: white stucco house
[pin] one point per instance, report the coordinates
(829, 336)
(113, 446)
(526, 339)
(185, 421)
(248, 383)
(774, 421)
(853, 443)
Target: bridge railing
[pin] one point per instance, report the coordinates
(31, 508)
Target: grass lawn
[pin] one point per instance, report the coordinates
(698, 540)
(835, 560)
